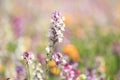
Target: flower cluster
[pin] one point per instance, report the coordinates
(69, 72)
(37, 72)
(57, 27)
(55, 31)
(93, 74)
(58, 64)
(69, 69)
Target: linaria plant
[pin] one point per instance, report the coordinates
(55, 32)
(27, 56)
(55, 36)
(68, 69)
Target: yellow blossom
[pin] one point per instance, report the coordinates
(55, 70)
(1, 68)
(72, 52)
(51, 63)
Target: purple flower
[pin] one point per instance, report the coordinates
(55, 31)
(28, 57)
(91, 75)
(20, 72)
(18, 26)
(41, 58)
(57, 27)
(19, 69)
(57, 57)
(68, 72)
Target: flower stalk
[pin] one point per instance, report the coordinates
(28, 71)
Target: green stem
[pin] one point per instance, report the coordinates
(28, 71)
(49, 58)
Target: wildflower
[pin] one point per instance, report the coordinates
(91, 75)
(1, 68)
(72, 52)
(57, 20)
(48, 49)
(59, 59)
(52, 63)
(28, 57)
(37, 72)
(19, 69)
(68, 72)
(55, 31)
(20, 72)
(57, 27)
(55, 70)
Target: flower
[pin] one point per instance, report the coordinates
(52, 63)
(68, 72)
(91, 75)
(55, 70)
(28, 57)
(20, 71)
(38, 72)
(57, 27)
(59, 59)
(72, 52)
(55, 31)
(48, 49)
(1, 68)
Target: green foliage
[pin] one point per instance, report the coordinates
(11, 46)
(98, 44)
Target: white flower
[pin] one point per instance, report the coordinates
(48, 49)
(59, 39)
(57, 27)
(55, 35)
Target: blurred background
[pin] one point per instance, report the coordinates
(92, 28)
